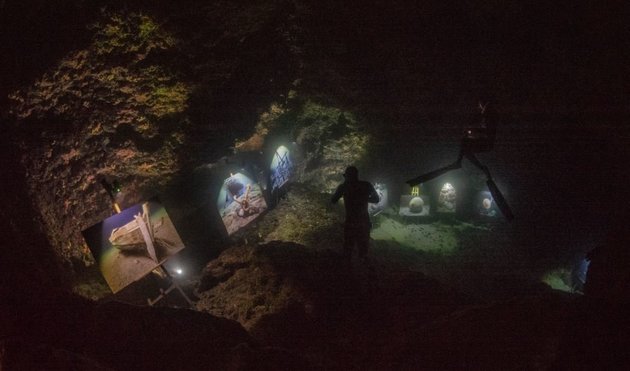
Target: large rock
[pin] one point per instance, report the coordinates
(521, 333)
(309, 300)
(55, 330)
(249, 283)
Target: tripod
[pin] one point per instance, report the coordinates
(476, 139)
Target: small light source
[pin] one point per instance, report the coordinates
(116, 188)
(179, 271)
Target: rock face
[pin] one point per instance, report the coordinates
(124, 107)
(330, 140)
(341, 316)
(247, 284)
(60, 331)
(148, 99)
(110, 111)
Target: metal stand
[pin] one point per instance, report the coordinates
(174, 286)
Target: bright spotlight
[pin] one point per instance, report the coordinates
(179, 271)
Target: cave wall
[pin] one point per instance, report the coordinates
(150, 98)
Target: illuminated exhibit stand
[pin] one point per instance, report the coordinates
(239, 201)
(133, 243)
(485, 206)
(174, 285)
(281, 168)
(383, 199)
(446, 198)
(415, 204)
(280, 157)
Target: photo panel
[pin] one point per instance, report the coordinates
(485, 205)
(129, 245)
(447, 199)
(411, 205)
(377, 208)
(239, 202)
(281, 168)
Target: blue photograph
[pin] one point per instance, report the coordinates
(281, 168)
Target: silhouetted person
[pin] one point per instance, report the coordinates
(356, 195)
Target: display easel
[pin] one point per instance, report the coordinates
(174, 286)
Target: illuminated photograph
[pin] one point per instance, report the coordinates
(411, 205)
(281, 167)
(377, 208)
(129, 245)
(447, 199)
(240, 201)
(485, 204)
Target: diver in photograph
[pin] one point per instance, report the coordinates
(356, 196)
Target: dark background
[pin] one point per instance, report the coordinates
(555, 70)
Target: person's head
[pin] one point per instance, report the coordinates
(351, 173)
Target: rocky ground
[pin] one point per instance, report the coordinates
(296, 292)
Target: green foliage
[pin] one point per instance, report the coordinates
(134, 35)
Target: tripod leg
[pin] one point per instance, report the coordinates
(434, 174)
(473, 159)
(494, 190)
(498, 198)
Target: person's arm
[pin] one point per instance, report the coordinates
(373, 197)
(338, 193)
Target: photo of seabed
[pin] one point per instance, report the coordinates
(485, 205)
(414, 206)
(281, 167)
(240, 201)
(129, 245)
(447, 199)
(377, 208)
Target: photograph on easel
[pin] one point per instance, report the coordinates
(129, 245)
(485, 205)
(383, 200)
(447, 199)
(281, 168)
(239, 202)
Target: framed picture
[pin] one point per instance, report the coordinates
(485, 205)
(129, 245)
(239, 202)
(377, 208)
(281, 168)
(411, 205)
(447, 199)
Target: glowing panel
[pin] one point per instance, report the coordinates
(485, 205)
(240, 201)
(447, 199)
(381, 190)
(129, 245)
(414, 205)
(281, 167)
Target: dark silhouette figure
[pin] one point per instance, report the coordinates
(476, 139)
(356, 195)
